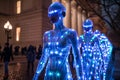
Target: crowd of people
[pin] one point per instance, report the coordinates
(7, 53)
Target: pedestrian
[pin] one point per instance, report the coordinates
(31, 55)
(6, 55)
(39, 52)
(0, 53)
(16, 50)
(11, 52)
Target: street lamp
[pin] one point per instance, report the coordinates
(8, 28)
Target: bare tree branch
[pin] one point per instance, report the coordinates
(117, 2)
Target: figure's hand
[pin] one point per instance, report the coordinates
(35, 77)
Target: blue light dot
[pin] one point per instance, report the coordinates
(59, 62)
(57, 43)
(50, 73)
(56, 52)
(49, 43)
(41, 63)
(58, 74)
(51, 52)
(62, 36)
(60, 54)
(77, 66)
(66, 32)
(68, 76)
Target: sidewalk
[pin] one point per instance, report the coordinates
(18, 69)
(16, 60)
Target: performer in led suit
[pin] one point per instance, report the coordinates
(56, 48)
(91, 52)
(107, 62)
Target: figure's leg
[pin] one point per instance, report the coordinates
(6, 69)
(32, 66)
(28, 66)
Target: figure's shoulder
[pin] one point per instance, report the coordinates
(81, 37)
(47, 33)
(71, 31)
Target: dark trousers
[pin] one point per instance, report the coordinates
(6, 67)
(30, 64)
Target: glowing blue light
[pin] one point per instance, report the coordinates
(62, 36)
(59, 62)
(56, 48)
(57, 43)
(51, 52)
(41, 63)
(38, 72)
(69, 76)
(77, 66)
(95, 52)
(49, 43)
(58, 74)
(66, 32)
(50, 73)
(56, 52)
(60, 54)
(54, 11)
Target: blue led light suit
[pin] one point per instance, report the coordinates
(91, 53)
(56, 48)
(106, 47)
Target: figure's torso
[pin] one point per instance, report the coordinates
(58, 47)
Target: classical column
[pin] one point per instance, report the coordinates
(56, 0)
(74, 14)
(67, 19)
(79, 20)
(83, 15)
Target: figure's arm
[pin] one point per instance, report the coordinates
(107, 51)
(77, 55)
(42, 60)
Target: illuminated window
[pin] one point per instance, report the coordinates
(18, 7)
(18, 29)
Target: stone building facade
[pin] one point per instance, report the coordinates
(33, 20)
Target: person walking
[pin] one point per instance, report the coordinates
(6, 55)
(0, 52)
(31, 55)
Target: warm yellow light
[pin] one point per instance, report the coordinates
(8, 25)
(18, 30)
(18, 7)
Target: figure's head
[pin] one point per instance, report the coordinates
(87, 25)
(56, 12)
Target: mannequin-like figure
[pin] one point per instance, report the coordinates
(106, 47)
(56, 48)
(91, 52)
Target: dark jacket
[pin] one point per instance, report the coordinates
(6, 54)
(31, 54)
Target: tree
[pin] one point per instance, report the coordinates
(107, 10)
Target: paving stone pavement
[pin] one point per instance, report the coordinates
(18, 70)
